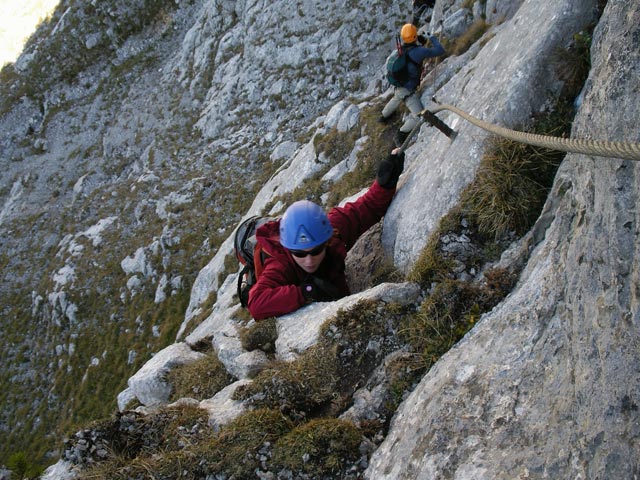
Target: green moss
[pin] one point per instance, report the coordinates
(431, 265)
(319, 448)
(451, 310)
(403, 372)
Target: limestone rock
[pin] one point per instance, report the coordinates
(222, 408)
(299, 330)
(149, 384)
(547, 385)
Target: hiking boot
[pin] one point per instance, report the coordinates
(401, 137)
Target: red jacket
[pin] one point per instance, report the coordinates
(278, 291)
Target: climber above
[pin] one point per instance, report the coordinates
(306, 248)
(413, 47)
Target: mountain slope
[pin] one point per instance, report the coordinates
(119, 204)
(134, 136)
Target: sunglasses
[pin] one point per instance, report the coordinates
(313, 252)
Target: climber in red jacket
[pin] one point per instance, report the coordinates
(306, 249)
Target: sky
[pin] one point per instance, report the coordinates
(18, 21)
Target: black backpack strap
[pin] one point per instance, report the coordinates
(243, 290)
(408, 48)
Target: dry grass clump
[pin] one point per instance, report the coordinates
(452, 310)
(336, 145)
(461, 44)
(322, 379)
(200, 379)
(178, 443)
(511, 186)
(234, 451)
(172, 450)
(431, 265)
(261, 335)
(124, 446)
(514, 179)
(299, 388)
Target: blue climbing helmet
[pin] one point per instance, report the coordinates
(304, 225)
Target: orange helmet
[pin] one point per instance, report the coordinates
(409, 33)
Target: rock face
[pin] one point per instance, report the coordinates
(547, 385)
(489, 85)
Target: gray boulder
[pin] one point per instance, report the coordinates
(148, 384)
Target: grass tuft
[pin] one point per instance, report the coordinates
(508, 194)
(461, 44)
(201, 379)
(336, 145)
(514, 179)
(261, 335)
(235, 449)
(322, 379)
(299, 388)
(451, 310)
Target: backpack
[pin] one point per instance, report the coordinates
(249, 254)
(397, 62)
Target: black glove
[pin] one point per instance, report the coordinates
(319, 290)
(423, 38)
(390, 169)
